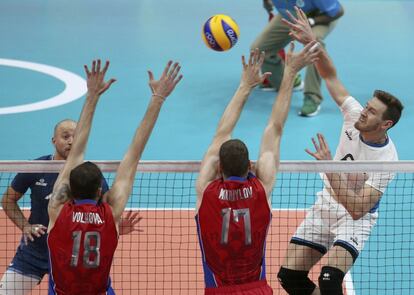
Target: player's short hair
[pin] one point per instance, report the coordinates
(60, 123)
(85, 180)
(394, 106)
(234, 158)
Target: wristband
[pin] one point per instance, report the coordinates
(159, 95)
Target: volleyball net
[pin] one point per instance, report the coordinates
(163, 256)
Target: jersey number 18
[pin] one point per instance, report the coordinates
(88, 248)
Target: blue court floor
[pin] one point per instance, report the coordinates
(372, 48)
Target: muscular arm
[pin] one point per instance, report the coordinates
(61, 189)
(122, 186)
(250, 78)
(12, 209)
(356, 202)
(268, 160)
(14, 212)
(302, 32)
(327, 71)
(357, 197)
(208, 169)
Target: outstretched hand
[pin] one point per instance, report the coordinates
(252, 76)
(129, 223)
(297, 61)
(300, 28)
(322, 149)
(167, 82)
(96, 78)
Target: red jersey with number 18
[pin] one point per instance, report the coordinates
(232, 224)
(81, 248)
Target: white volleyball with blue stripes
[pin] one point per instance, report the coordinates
(220, 32)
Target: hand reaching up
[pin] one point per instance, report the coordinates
(96, 78)
(167, 82)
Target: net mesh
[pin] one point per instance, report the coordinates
(164, 256)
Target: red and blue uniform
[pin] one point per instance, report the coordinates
(232, 224)
(82, 244)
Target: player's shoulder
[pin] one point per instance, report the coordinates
(44, 158)
(381, 152)
(391, 151)
(350, 103)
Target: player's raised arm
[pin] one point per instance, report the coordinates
(251, 77)
(268, 160)
(96, 86)
(122, 186)
(302, 32)
(357, 197)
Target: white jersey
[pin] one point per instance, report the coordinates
(352, 147)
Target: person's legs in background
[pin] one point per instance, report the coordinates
(312, 92)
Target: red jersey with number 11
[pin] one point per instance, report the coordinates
(81, 248)
(232, 224)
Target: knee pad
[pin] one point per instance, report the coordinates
(330, 281)
(295, 282)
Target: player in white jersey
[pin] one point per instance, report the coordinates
(340, 221)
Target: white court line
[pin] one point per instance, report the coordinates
(349, 284)
(75, 86)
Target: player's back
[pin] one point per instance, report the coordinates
(232, 222)
(81, 248)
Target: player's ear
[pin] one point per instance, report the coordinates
(99, 192)
(219, 169)
(53, 140)
(387, 124)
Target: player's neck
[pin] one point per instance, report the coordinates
(57, 156)
(225, 177)
(374, 138)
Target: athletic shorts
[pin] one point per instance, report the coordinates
(29, 265)
(254, 288)
(329, 224)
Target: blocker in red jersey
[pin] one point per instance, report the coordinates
(234, 204)
(83, 228)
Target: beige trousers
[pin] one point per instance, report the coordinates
(274, 37)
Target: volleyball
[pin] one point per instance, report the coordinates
(220, 32)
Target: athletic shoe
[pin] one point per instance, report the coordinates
(297, 85)
(310, 106)
(265, 86)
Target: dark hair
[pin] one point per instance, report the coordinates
(234, 158)
(85, 180)
(394, 106)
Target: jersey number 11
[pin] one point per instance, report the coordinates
(237, 214)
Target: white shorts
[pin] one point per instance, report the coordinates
(13, 283)
(329, 224)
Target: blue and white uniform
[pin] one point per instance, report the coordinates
(314, 7)
(328, 223)
(32, 260)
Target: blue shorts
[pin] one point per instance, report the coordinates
(29, 265)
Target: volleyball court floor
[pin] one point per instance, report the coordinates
(45, 46)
